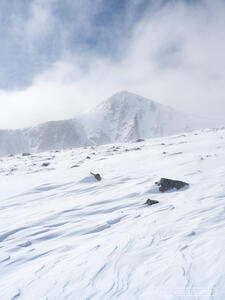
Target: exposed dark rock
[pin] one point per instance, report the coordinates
(45, 164)
(151, 202)
(10, 155)
(140, 140)
(164, 152)
(74, 166)
(96, 176)
(166, 184)
(88, 157)
(26, 154)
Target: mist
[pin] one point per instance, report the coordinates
(172, 53)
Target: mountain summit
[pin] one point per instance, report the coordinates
(123, 117)
(126, 116)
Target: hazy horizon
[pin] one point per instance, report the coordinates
(219, 122)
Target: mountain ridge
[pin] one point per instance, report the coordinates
(122, 117)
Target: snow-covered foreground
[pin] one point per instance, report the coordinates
(64, 235)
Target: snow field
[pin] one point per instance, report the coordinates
(64, 235)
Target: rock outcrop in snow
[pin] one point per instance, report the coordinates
(122, 118)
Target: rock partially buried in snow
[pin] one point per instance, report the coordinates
(166, 184)
(96, 176)
(151, 202)
(26, 154)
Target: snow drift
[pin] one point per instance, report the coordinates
(65, 235)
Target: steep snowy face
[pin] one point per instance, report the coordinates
(56, 135)
(126, 117)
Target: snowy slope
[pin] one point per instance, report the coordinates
(64, 235)
(123, 117)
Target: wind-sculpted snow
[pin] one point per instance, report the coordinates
(64, 235)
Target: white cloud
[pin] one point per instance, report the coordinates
(40, 22)
(175, 56)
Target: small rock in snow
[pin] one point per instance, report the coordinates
(151, 202)
(26, 154)
(96, 176)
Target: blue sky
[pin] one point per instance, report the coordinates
(59, 27)
(60, 58)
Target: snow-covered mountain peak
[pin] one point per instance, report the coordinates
(126, 116)
(124, 99)
(123, 117)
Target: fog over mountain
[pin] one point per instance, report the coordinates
(123, 117)
(59, 58)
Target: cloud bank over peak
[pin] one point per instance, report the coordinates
(78, 54)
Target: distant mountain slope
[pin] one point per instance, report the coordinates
(123, 117)
(47, 136)
(12, 141)
(56, 135)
